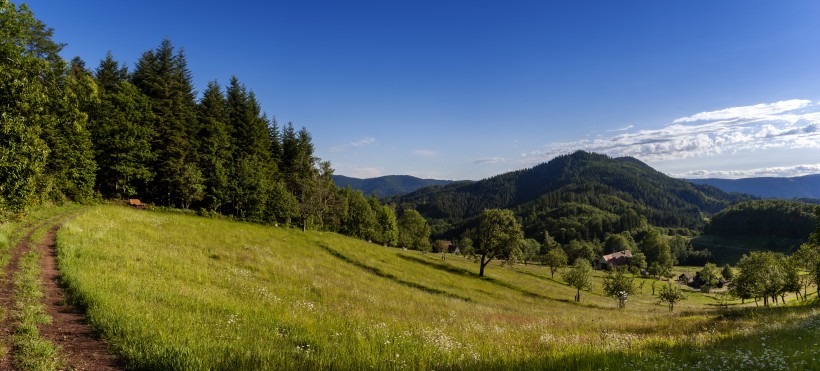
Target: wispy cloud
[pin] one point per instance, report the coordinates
(789, 124)
(490, 160)
(625, 128)
(425, 152)
(747, 112)
(348, 146)
(775, 171)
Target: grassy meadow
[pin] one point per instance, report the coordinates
(173, 291)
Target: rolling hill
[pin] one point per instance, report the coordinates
(175, 291)
(769, 187)
(578, 196)
(385, 186)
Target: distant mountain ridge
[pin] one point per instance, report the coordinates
(578, 196)
(769, 187)
(390, 185)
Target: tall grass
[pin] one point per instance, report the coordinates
(183, 292)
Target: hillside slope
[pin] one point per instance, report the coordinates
(769, 187)
(578, 196)
(385, 186)
(173, 291)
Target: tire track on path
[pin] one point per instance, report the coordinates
(80, 347)
(7, 298)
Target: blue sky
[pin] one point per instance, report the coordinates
(470, 89)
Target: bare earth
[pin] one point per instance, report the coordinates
(80, 347)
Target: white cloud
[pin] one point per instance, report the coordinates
(743, 112)
(348, 146)
(790, 124)
(775, 171)
(622, 129)
(425, 152)
(490, 160)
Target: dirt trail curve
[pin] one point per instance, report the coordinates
(80, 348)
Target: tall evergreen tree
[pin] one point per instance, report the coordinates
(215, 149)
(164, 77)
(110, 72)
(121, 129)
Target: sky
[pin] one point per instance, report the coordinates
(470, 89)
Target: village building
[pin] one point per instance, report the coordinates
(686, 278)
(615, 259)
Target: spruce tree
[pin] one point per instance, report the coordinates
(121, 129)
(215, 149)
(164, 77)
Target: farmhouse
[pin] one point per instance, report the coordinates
(686, 278)
(615, 259)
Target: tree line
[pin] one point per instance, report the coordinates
(72, 133)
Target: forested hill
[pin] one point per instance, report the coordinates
(385, 186)
(778, 218)
(579, 196)
(788, 188)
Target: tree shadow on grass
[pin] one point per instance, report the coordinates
(378, 272)
(470, 274)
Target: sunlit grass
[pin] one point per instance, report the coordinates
(182, 292)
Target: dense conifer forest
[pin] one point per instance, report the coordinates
(74, 132)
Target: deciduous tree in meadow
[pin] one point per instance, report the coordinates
(579, 277)
(671, 294)
(619, 285)
(555, 259)
(499, 235)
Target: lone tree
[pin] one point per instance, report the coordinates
(618, 285)
(555, 258)
(671, 294)
(498, 236)
(579, 277)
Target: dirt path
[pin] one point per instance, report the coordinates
(80, 347)
(7, 299)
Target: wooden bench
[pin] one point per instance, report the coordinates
(135, 202)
